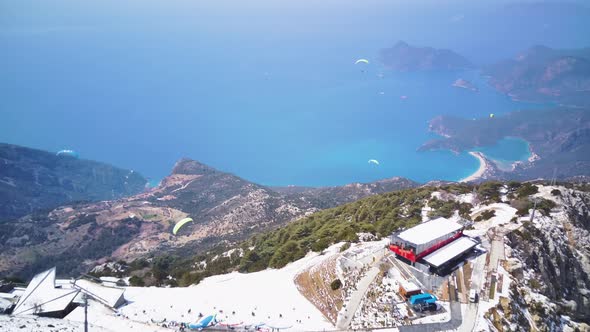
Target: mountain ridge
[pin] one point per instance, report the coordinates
(544, 74)
(224, 207)
(32, 179)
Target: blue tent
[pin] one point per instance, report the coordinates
(422, 298)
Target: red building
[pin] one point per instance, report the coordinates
(423, 239)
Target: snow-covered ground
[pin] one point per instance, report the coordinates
(106, 320)
(35, 324)
(467, 198)
(443, 316)
(269, 296)
(504, 213)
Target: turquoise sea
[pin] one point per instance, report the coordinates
(267, 90)
(507, 151)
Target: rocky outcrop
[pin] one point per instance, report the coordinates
(554, 278)
(32, 179)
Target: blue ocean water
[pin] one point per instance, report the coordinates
(264, 89)
(506, 151)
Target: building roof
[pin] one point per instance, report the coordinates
(429, 231)
(409, 286)
(110, 296)
(41, 296)
(4, 304)
(450, 251)
(110, 279)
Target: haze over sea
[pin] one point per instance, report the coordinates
(267, 90)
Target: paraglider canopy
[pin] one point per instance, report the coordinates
(179, 225)
(67, 153)
(373, 161)
(365, 61)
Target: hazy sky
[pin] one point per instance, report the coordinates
(474, 28)
(142, 83)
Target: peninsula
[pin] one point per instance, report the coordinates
(559, 140)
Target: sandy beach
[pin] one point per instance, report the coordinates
(483, 165)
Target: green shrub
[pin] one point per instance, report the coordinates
(435, 203)
(336, 284)
(345, 247)
(556, 192)
(136, 281)
(13, 279)
(513, 185)
(527, 189)
(488, 214)
(447, 209)
(545, 206)
(465, 210)
(320, 244)
(535, 284)
(525, 234)
(289, 252)
(490, 191)
(522, 206)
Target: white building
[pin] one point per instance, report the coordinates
(44, 296)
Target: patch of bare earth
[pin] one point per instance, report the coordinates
(467, 272)
(444, 294)
(314, 284)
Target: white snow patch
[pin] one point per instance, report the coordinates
(267, 294)
(467, 198)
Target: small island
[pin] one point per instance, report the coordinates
(405, 58)
(465, 84)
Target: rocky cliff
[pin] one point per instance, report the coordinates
(550, 264)
(33, 179)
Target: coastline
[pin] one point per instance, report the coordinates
(483, 166)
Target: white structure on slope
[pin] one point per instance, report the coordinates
(46, 297)
(42, 297)
(450, 251)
